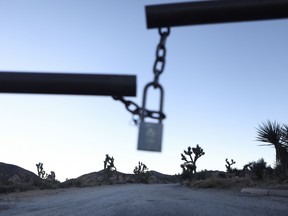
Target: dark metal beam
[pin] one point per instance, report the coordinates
(208, 12)
(71, 84)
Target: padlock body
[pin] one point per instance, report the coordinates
(150, 136)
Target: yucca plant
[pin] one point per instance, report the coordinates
(269, 132)
(284, 138)
(272, 133)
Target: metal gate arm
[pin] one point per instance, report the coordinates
(71, 84)
(209, 12)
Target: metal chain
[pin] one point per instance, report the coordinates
(130, 105)
(159, 63)
(158, 69)
(137, 111)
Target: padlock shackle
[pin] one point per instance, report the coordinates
(144, 111)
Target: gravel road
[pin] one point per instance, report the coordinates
(140, 199)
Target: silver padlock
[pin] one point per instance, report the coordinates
(150, 134)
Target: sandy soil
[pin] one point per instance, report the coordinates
(140, 199)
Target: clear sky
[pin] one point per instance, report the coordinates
(220, 82)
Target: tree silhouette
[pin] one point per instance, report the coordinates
(109, 167)
(190, 164)
(276, 135)
(228, 165)
(142, 173)
(40, 170)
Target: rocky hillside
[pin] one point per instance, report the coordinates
(99, 178)
(15, 178)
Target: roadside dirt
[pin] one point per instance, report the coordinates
(15, 196)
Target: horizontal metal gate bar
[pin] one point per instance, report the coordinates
(71, 84)
(208, 12)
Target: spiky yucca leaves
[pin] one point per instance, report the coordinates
(284, 138)
(269, 132)
(275, 134)
(284, 149)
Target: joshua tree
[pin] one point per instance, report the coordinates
(228, 165)
(109, 166)
(43, 175)
(190, 165)
(140, 169)
(40, 170)
(142, 173)
(276, 135)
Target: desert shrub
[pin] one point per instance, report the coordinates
(186, 174)
(17, 188)
(280, 174)
(246, 167)
(202, 175)
(260, 169)
(49, 185)
(222, 175)
(220, 183)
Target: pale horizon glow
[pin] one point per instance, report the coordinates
(220, 82)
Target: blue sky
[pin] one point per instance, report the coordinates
(220, 82)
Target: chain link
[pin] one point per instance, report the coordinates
(158, 69)
(160, 60)
(135, 110)
(130, 105)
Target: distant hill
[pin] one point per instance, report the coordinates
(13, 178)
(163, 178)
(98, 178)
(12, 174)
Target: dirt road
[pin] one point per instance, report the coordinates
(140, 199)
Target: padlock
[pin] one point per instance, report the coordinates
(150, 134)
